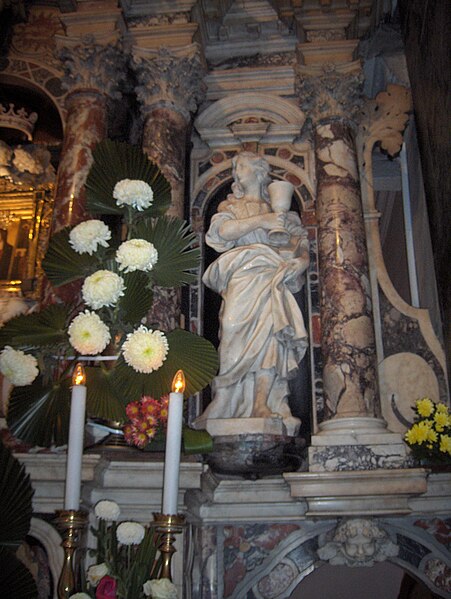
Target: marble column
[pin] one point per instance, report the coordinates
(348, 344)
(170, 90)
(85, 127)
(92, 72)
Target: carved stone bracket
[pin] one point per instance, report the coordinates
(169, 79)
(357, 542)
(90, 65)
(330, 91)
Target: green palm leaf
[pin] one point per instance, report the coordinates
(114, 161)
(196, 356)
(62, 264)
(174, 241)
(15, 500)
(15, 515)
(137, 298)
(15, 580)
(48, 327)
(39, 414)
(102, 400)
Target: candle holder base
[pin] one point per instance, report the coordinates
(71, 524)
(168, 525)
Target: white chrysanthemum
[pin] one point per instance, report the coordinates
(136, 254)
(130, 533)
(19, 368)
(88, 334)
(133, 192)
(102, 288)
(86, 237)
(107, 510)
(95, 573)
(145, 350)
(161, 588)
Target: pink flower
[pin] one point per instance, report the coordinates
(106, 589)
(133, 411)
(149, 406)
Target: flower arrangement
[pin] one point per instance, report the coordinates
(147, 418)
(108, 267)
(127, 563)
(430, 436)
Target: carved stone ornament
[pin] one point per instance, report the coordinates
(329, 91)
(170, 79)
(356, 542)
(89, 65)
(384, 118)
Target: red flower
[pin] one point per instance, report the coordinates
(106, 589)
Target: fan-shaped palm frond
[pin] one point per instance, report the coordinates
(137, 299)
(114, 161)
(15, 580)
(39, 414)
(62, 264)
(27, 331)
(15, 500)
(15, 515)
(102, 399)
(193, 354)
(174, 241)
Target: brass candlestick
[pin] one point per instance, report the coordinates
(169, 526)
(71, 524)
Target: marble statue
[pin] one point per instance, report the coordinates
(357, 542)
(262, 333)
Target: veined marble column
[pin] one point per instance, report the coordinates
(330, 97)
(353, 435)
(92, 73)
(85, 127)
(170, 90)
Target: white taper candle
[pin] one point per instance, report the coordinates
(75, 444)
(173, 446)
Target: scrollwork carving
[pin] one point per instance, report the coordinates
(357, 542)
(384, 119)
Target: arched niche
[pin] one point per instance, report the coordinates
(283, 571)
(273, 127)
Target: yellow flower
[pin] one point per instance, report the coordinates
(418, 434)
(432, 437)
(425, 407)
(445, 444)
(442, 408)
(441, 420)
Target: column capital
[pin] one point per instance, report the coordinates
(90, 65)
(171, 79)
(330, 92)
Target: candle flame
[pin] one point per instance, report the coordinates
(79, 375)
(178, 382)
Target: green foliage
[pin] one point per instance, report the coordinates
(40, 329)
(176, 255)
(39, 413)
(15, 514)
(114, 161)
(62, 264)
(194, 354)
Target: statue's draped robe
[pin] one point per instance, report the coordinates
(261, 324)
